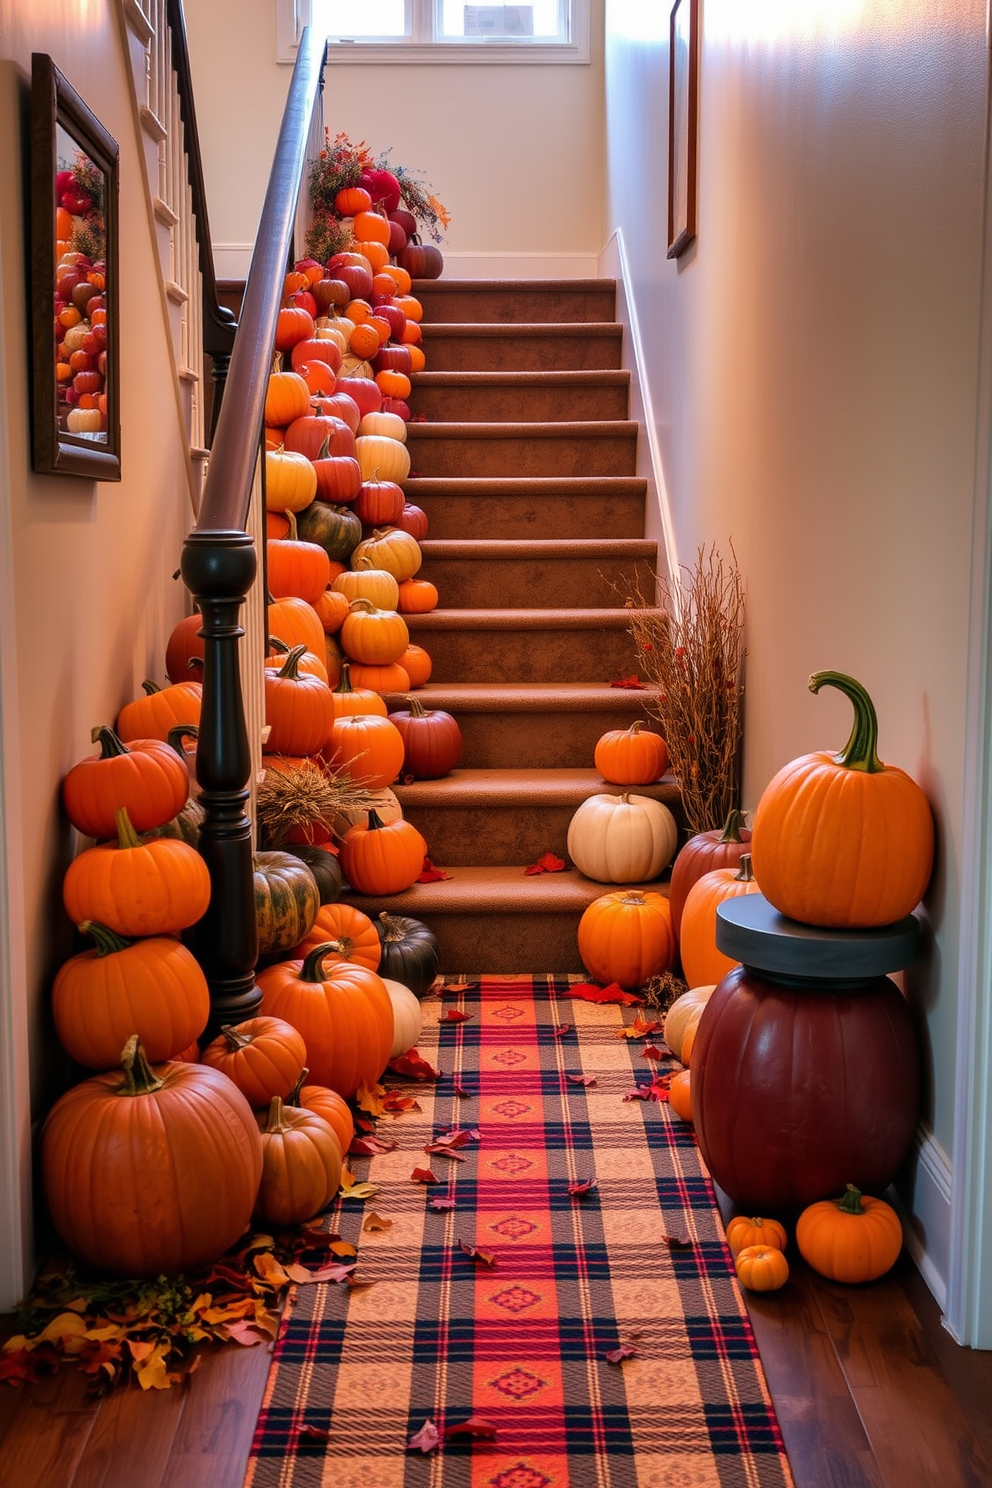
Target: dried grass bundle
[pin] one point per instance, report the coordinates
(659, 992)
(301, 793)
(693, 651)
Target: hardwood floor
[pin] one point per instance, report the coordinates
(871, 1392)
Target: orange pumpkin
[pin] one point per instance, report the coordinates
(633, 756)
(154, 1172)
(853, 1238)
(843, 840)
(761, 1268)
(382, 858)
(137, 888)
(347, 935)
(343, 1012)
(626, 937)
(744, 1230)
(417, 597)
(298, 708)
(265, 1057)
(391, 678)
(349, 700)
(368, 746)
(701, 961)
(161, 709)
(680, 1094)
(301, 1165)
(290, 480)
(417, 664)
(327, 1103)
(148, 777)
(373, 637)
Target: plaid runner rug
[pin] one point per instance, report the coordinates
(519, 1335)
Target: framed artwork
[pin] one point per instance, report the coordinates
(683, 121)
(75, 383)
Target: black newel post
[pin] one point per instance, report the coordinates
(218, 568)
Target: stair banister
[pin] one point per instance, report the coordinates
(219, 564)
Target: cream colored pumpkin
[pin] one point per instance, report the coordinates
(622, 839)
(382, 458)
(392, 549)
(390, 425)
(682, 1010)
(385, 803)
(408, 1016)
(376, 584)
(331, 332)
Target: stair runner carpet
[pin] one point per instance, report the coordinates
(522, 1334)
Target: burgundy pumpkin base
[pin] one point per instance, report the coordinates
(796, 1093)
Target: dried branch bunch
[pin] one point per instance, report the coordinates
(692, 650)
(300, 793)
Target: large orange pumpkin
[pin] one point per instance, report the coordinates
(701, 961)
(343, 1012)
(626, 937)
(369, 747)
(147, 776)
(843, 840)
(153, 987)
(265, 1057)
(137, 888)
(161, 709)
(347, 935)
(382, 858)
(153, 1172)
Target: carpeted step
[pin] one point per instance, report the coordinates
(533, 725)
(547, 574)
(518, 814)
(520, 347)
(446, 300)
(526, 645)
(501, 918)
(533, 507)
(514, 396)
(584, 447)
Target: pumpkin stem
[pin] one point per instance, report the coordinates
(294, 531)
(313, 966)
(126, 835)
(294, 1096)
(110, 744)
(732, 826)
(276, 1122)
(235, 1040)
(324, 453)
(290, 668)
(361, 603)
(139, 1077)
(859, 753)
(182, 731)
(850, 1201)
(195, 661)
(417, 709)
(744, 874)
(635, 728)
(375, 820)
(342, 945)
(345, 683)
(633, 896)
(150, 687)
(392, 930)
(107, 940)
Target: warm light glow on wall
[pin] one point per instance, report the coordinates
(639, 20)
(771, 21)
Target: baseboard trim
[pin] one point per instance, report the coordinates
(613, 264)
(923, 1198)
(232, 260)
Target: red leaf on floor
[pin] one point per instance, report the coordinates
(640, 1028)
(584, 1187)
(560, 1029)
(652, 1052)
(617, 1355)
(430, 874)
(364, 1124)
(455, 1015)
(414, 1065)
(459, 1089)
(453, 988)
(369, 1146)
(476, 1253)
(639, 1092)
(449, 1140)
(445, 1152)
(475, 1426)
(590, 992)
(426, 1439)
(546, 863)
(581, 1079)
(314, 1433)
(631, 682)
(676, 1242)
(441, 1204)
(423, 1175)
(25, 1366)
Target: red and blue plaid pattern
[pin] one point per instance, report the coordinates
(640, 1259)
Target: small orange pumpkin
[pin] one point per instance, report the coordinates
(633, 756)
(853, 1238)
(761, 1268)
(264, 1057)
(382, 859)
(680, 1094)
(626, 937)
(744, 1230)
(301, 1165)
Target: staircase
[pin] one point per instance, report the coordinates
(525, 467)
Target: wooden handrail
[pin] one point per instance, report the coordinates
(239, 429)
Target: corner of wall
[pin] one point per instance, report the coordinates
(923, 1200)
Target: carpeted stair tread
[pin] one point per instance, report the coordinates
(497, 891)
(581, 447)
(522, 346)
(527, 787)
(494, 507)
(550, 300)
(539, 487)
(595, 377)
(528, 697)
(554, 429)
(507, 573)
(517, 619)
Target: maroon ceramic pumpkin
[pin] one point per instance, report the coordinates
(432, 741)
(413, 519)
(701, 854)
(797, 1092)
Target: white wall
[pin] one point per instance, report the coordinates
(514, 152)
(812, 364)
(88, 599)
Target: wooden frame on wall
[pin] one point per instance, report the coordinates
(74, 185)
(683, 124)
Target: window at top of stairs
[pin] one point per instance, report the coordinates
(439, 30)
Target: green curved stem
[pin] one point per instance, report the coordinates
(850, 1202)
(110, 745)
(313, 967)
(859, 753)
(126, 835)
(732, 826)
(108, 942)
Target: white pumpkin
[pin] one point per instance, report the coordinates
(681, 1013)
(384, 802)
(622, 839)
(388, 424)
(382, 458)
(408, 1016)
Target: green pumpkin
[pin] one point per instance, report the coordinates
(286, 900)
(335, 528)
(410, 952)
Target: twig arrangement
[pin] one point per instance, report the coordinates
(692, 650)
(302, 795)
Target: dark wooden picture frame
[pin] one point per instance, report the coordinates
(683, 124)
(74, 183)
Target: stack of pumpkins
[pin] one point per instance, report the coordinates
(157, 1163)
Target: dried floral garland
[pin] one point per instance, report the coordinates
(340, 164)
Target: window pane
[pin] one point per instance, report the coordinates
(362, 18)
(540, 20)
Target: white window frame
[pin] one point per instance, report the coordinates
(293, 15)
